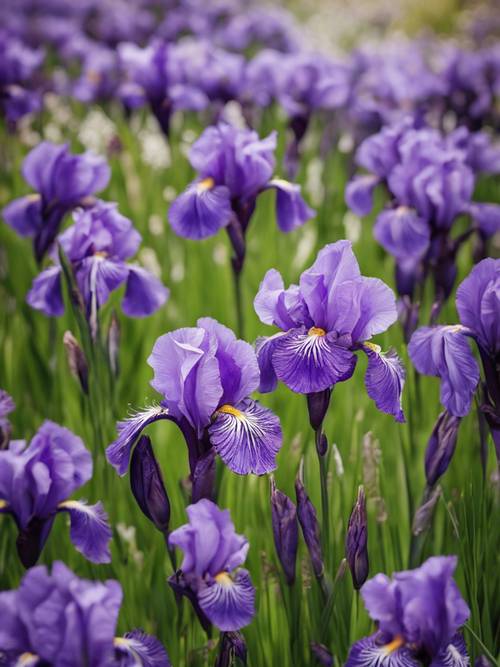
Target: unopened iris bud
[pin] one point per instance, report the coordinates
(232, 647)
(482, 661)
(203, 477)
(285, 530)
(322, 654)
(113, 343)
(317, 406)
(357, 541)
(423, 515)
(310, 527)
(147, 485)
(76, 360)
(441, 447)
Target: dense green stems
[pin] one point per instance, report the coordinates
(240, 318)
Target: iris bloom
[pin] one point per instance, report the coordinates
(444, 350)
(213, 552)
(62, 182)
(36, 482)
(56, 619)
(7, 405)
(234, 166)
(331, 314)
(18, 66)
(98, 245)
(419, 613)
(206, 377)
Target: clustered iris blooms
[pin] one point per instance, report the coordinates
(55, 619)
(332, 313)
(419, 614)
(63, 181)
(206, 376)
(444, 350)
(210, 574)
(36, 482)
(98, 245)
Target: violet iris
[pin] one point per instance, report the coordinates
(18, 66)
(213, 553)
(419, 614)
(36, 482)
(7, 405)
(56, 619)
(206, 376)
(62, 182)
(98, 245)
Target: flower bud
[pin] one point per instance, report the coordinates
(321, 654)
(317, 406)
(113, 344)
(76, 360)
(203, 477)
(285, 530)
(310, 527)
(482, 661)
(424, 513)
(441, 446)
(232, 646)
(357, 541)
(147, 485)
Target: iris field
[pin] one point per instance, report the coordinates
(316, 620)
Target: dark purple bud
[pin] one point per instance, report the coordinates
(356, 545)
(113, 343)
(285, 531)
(423, 515)
(408, 313)
(147, 485)
(310, 527)
(181, 588)
(76, 360)
(321, 654)
(31, 540)
(317, 405)
(232, 647)
(482, 661)
(203, 477)
(441, 446)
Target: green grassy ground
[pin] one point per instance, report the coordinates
(33, 369)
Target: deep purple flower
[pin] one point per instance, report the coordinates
(99, 76)
(206, 377)
(98, 245)
(441, 447)
(333, 312)
(36, 482)
(419, 613)
(18, 66)
(7, 405)
(309, 525)
(232, 646)
(285, 531)
(147, 485)
(62, 182)
(356, 545)
(58, 619)
(212, 553)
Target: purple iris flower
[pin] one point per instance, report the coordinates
(206, 376)
(56, 619)
(99, 76)
(270, 27)
(444, 351)
(7, 406)
(62, 182)
(36, 482)
(98, 245)
(212, 553)
(18, 65)
(419, 614)
(234, 166)
(331, 314)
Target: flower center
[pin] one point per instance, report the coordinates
(316, 331)
(34, 196)
(25, 659)
(396, 643)
(373, 347)
(205, 184)
(230, 410)
(3, 504)
(224, 579)
(101, 253)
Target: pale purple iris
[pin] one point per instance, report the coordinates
(206, 376)
(57, 619)
(234, 166)
(98, 245)
(18, 65)
(36, 482)
(62, 182)
(213, 553)
(444, 351)
(331, 314)
(419, 614)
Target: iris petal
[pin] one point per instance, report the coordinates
(90, 531)
(384, 380)
(138, 648)
(368, 652)
(229, 603)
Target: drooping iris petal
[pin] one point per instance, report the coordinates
(201, 210)
(228, 602)
(384, 380)
(487, 217)
(370, 652)
(444, 351)
(118, 452)
(24, 215)
(264, 349)
(291, 209)
(46, 292)
(359, 194)
(453, 655)
(247, 437)
(97, 277)
(403, 233)
(138, 646)
(90, 531)
(308, 363)
(144, 293)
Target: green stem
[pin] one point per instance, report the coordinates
(240, 319)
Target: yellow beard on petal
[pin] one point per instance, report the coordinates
(373, 347)
(396, 643)
(316, 331)
(205, 184)
(230, 410)
(3, 504)
(224, 579)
